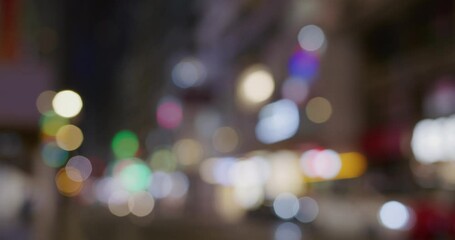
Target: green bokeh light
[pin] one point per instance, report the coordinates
(50, 123)
(135, 177)
(125, 144)
(53, 156)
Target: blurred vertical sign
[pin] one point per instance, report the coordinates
(20, 81)
(20, 86)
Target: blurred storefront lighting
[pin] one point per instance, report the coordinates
(226, 206)
(325, 164)
(433, 140)
(353, 164)
(216, 170)
(284, 174)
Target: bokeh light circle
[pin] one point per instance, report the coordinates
(256, 85)
(161, 185)
(288, 231)
(286, 205)
(311, 37)
(82, 165)
(51, 122)
(125, 144)
(188, 151)
(225, 139)
(180, 185)
(65, 185)
(318, 110)
(135, 175)
(163, 159)
(69, 137)
(325, 164)
(189, 72)
(118, 203)
(308, 210)
(44, 101)
(67, 103)
(394, 215)
(53, 156)
(169, 113)
(141, 203)
(278, 121)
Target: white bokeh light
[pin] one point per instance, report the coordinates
(189, 72)
(288, 231)
(256, 85)
(161, 185)
(286, 205)
(311, 38)
(308, 210)
(394, 215)
(433, 140)
(67, 103)
(278, 121)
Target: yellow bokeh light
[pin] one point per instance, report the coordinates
(225, 139)
(353, 165)
(67, 103)
(225, 205)
(318, 110)
(188, 151)
(65, 185)
(69, 137)
(256, 85)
